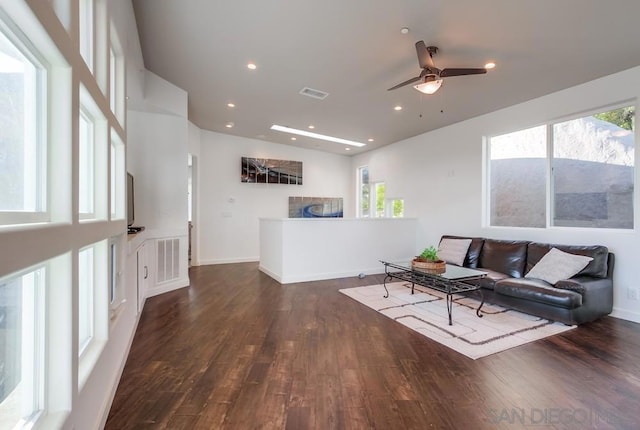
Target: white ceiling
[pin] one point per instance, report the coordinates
(354, 50)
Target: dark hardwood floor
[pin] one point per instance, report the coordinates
(237, 350)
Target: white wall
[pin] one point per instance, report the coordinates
(157, 158)
(229, 210)
(309, 249)
(440, 176)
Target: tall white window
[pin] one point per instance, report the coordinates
(23, 151)
(116, 288)
(574, 173)
(112, 79)
(22, 319)
(364, 192)
(87, 164)
(116, 77)
(93, 160)
(87, 31)
(86, 287)
(117, 175)
(92, 307)
(377, 199)
(113, 272)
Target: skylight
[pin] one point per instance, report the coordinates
(316, 135)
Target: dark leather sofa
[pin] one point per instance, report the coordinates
(580, 299)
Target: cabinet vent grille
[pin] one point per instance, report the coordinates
(168, 260)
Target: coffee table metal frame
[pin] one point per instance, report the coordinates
(451, 283)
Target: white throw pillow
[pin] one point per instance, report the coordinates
(556, 265)
(453, 251)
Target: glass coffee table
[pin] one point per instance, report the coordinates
(453, 280)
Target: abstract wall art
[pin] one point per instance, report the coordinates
(268, 171)
(315, 207)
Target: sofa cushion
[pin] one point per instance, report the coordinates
(556, 265)
(575, 284)
(597, 267)
(489, 281)
(538, 291)
(504, 256)
(453, 251)
(473, 253)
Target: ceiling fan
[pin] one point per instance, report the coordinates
(431, 77)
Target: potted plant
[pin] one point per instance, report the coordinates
(428, 260)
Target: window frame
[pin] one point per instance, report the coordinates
(360, 186)
(86, 29)
(39, 140)
(550, 171)
(117, 172)
(86, 163)
(37, 325)
(89, 109)
(375, 201)
(116, 78)
(89, 352)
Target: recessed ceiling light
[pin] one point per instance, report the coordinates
(316, 135)
(294, 138)
(252, 66)
(397, 107)
(347, 149)
(404, 30)
(229, 125)
(370, 139)
(490, 65)
(311, 126)
(231, 105)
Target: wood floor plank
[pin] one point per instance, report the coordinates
(237, 350)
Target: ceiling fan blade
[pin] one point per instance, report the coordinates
(424, 57)
(460, 72)
(407, 82)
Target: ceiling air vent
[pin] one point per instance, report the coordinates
(316, 94)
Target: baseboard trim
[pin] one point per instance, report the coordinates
(228, 261)
(624, 314)
(320, 276)
(166, 287)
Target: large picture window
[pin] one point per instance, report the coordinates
(21, 347)
(575, 173)
(23, 196)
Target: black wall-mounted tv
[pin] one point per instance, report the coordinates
(131, 210)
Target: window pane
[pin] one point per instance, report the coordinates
(379, 196)
(593, 170)
(21, 171)
(398, 208)
(85, 298)
(518, 178)
(112, 80)
(113, 276)
(364, 194)
(86, 31)
(117, 174)
(86, 166)
(21, 347)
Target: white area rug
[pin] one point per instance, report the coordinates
(426, 312)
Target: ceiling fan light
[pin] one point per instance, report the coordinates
(429, 87)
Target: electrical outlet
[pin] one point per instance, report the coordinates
(632, 293)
